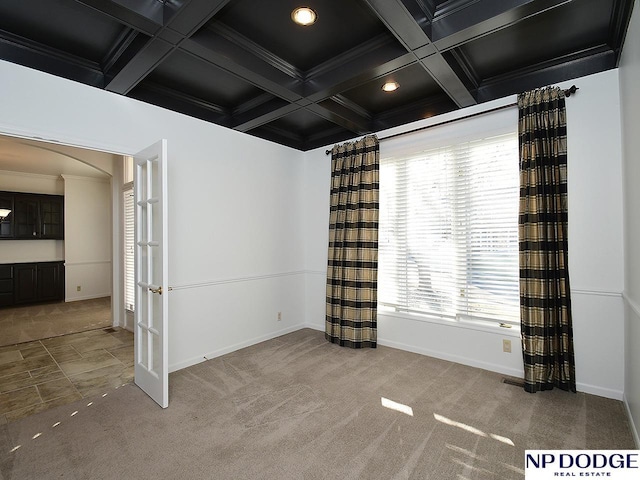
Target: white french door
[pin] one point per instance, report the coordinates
(151, 297)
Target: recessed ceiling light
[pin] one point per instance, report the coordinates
(390, 86)
(304, 16)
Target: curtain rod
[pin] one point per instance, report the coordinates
(568, 92)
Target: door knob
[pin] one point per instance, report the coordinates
(156, 290)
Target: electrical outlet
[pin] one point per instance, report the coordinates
(78, 288)
(506, 346)
(279, 316)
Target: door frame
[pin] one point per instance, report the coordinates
(118, 314)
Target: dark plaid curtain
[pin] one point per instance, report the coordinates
(545, 304)
(352, 270)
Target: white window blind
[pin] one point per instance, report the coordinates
(448, 239)
(129, 273)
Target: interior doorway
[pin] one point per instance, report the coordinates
(80, 346)
(91, 184)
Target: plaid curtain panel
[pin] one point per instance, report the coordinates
(352, 270)
(545, 304)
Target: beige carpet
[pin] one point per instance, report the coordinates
(27, 323)
(297, 407)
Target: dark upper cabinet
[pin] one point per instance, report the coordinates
(6, 215)
(34, 216)
(51, 217)
(26, 220)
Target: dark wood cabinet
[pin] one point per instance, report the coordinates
(6, 285)
(49, 282)
(26, 217)
(33, 216)
(6, 216)
(25, 283)
(51, 217)
(22, 283)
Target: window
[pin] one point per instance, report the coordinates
(448, 238)
(129, 273)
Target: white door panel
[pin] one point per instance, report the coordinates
(151, 312)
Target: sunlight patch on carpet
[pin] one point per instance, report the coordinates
(398, 407)
(474, 430)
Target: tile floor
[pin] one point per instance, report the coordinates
(46, 373)
(27, 323)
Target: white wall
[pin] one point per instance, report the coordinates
(87, 237)
(595, 252)
(596, 256)
(235, 246)
(630, 99)
(16, 251)
(31, 183)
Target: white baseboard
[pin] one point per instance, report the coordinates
(599, 391)
(632, 425)
(471, 362)
(88, 297)
(232, 348)
(319, 328)
(441, 355)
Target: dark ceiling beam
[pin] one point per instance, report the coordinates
(561, 69)
(280, 135)
(620, 18)
(119, 49)
(186, 98)
(255, 50)
(189, 17)
(340, 114)
(427, 108)
(448, 80)
(427, 6)
(462, 61)
(180, 102)
(143, 63)
(402, 24)
(307, 142)
(373, 59)
(253, 103)
(22, 51)
(475, 18)
(326, 137)
(145, 16)
(352, 106)
(231, 57)
(263, 114)
(423, 12)
(225, 49)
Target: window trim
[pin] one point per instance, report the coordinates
(469, 323)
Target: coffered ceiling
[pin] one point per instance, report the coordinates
(245, 65)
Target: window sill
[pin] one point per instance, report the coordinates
(486, 326)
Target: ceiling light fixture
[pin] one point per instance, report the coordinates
(4, 213)
(304, 16)
(390, 86)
